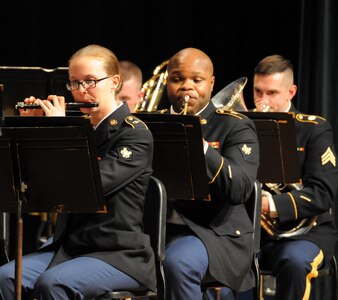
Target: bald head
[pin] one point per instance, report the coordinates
(190, 73)
(191, 56)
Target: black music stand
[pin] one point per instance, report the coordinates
(3, 219)
(1, 105)
(278, 147)
(48, 164)
(178, 155)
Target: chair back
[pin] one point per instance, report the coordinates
(154, 219)
(155, 213)
(253, 206)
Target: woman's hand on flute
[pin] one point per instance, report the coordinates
(52, 106)
(31, 112)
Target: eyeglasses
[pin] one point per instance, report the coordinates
(86, 84)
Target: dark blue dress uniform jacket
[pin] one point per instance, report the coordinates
(223, 224)
(125, 148)
(319, 173)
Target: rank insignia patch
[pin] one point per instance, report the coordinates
(126, 153)
(246, 150)
(214, 145)
(328, 156)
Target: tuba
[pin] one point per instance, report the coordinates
(153, 89)
(278, 231)
(231, 98)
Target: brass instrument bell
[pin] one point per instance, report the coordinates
(231, 97)
(153, 89)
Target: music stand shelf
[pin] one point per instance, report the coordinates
(178, 155)
(48, 164)
(278, 147)
(55, 157)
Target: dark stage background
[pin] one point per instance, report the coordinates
(235, 34)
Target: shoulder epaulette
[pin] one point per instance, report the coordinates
(313, 119)
(232, 113)
(135, 122)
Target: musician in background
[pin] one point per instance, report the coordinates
(90, 254)
(211, 240)
(295, 261)
(131, 91)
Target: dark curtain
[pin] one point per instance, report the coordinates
(318, 53)
(317, 77)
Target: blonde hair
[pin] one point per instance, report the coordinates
(109, 59)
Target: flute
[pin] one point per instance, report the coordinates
(69, 105)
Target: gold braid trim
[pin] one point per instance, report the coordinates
(313, 274)
(308, 118)
(219, 170)
(232, 113)
(132, 119)
(294, 205)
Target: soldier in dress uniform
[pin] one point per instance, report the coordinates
(91, 254)
(294, 261)
(211, 240)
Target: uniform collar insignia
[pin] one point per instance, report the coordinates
(113, 122)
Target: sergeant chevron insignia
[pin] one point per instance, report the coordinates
(328, 156)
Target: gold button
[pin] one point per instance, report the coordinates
(204, 121)
(238, 232)
(113, 122)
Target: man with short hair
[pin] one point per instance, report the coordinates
(131, 91)
(295, 261)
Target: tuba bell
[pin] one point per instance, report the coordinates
(231, 97)
(277, 230)
(153, 89)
